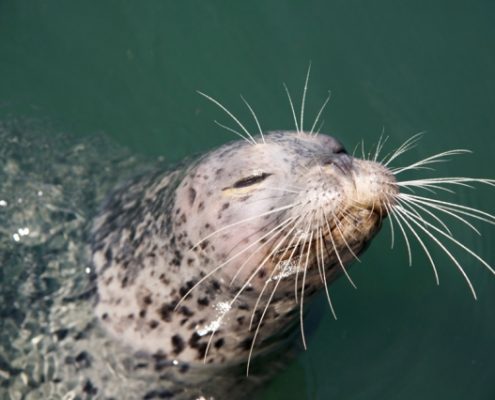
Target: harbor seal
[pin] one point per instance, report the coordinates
(205, 271)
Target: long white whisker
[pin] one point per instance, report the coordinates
(465, 210)
(337, 225)
(406, 146)
(296, 224)
(409, 252)
(292, 107)
(412, 207)
(301, 307)
(458, 243)
(223, 228)
(271, 294)
(233, 131)
(344, 270)
(275, 234)
(441, 209)
(230, 259)
(431, 160)
(322, 108)
(305, 235)
(441, 245)
(392, 230)
(303, 101)
(255, 118)
(420, 241)
(221, 106)
(324, 280)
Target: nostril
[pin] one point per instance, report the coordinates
(328, 160)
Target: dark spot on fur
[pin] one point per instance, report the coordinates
(184, 289)
(201, 206)
(219, 343)
(215, 285)
(192, 196)
(240, 320)
(183, 368)
(225, 206)
(186, 311)
(163, 279)
(153, 324)
(89, 388)
(158, 394)
(104, 316)
(124, 281)
(166, 311)
(83, 360)
(108, 255)
(147, 300)
(61, 334)
(178, 344)
(246, 344)
(142, 313)
(203, 301)
(202, 350)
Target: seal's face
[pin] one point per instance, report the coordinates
(270, 209)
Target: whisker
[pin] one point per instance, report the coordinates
(301, 306)
(255, 118)
(412, 208)
(301, 253)
(344, 270)
(292, 107)
(420, 241)
(324, 279)
(322, 108)
(392, 231)
(234, 299)
(452, 239)
(296, 224)
(404, 147)
(442, 246)
(465, 210)
(343, 238)
(233, 131)
(441, 209)
(380, 145)
(409, 252)
(221, 106)
(431, 160)
(223, 228)
(303, 101)
(271, 294)
(229, 260)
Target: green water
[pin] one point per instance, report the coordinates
(130, 70)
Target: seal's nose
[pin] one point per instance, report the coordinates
(341, 161)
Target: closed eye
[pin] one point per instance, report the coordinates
(250, 180)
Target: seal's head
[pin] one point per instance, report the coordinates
(252, 206)
(232, 242)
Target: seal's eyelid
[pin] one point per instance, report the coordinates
(250, 180)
